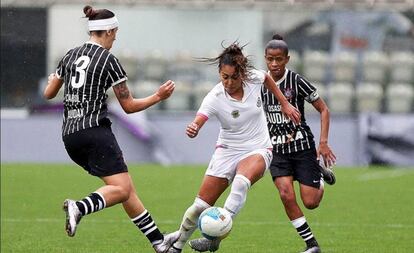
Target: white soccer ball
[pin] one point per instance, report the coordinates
(215, 222)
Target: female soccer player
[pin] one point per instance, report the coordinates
(294, 153)
(87, 72)
(243, 150)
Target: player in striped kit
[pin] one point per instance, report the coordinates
(294, 154)
(86, 73)
(243, 149)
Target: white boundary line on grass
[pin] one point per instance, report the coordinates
(386, 174)
(252, 223)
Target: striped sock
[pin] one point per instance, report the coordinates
(148, 227)
(304, 231)
(92, 203)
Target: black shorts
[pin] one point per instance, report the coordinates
(302, 165)
(96, 150)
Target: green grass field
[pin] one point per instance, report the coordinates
(368, 210)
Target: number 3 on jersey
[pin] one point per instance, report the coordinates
(81, 64)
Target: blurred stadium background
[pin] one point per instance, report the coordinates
(359, 53)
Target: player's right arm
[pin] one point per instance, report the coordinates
(194, 127)
(53, 86)
(131, 105)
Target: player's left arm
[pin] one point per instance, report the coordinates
(289, 110)
(54, 83)
(324, 150)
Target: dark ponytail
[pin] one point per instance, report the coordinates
(277, 42)
(93, 14)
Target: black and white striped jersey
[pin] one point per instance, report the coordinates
(286, 137)
(87, 72)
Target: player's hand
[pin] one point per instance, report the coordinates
(192, 130)
(291, 112)
(329, 158)
(166, 90)
(51, 76)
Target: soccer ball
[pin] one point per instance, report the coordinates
(215, 222)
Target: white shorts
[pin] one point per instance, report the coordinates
(224, 162)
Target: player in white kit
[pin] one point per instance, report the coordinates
(243, 151)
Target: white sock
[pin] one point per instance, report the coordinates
(238, 193)
(189, 222)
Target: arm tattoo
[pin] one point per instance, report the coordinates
(122, 90)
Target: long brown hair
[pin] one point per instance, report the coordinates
(233, 56)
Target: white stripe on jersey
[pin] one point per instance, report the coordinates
(97, 87)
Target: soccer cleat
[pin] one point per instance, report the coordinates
(174, 250)
(327, 175)
(169, 240)
(313, 249)
(204, 244)
(73, 216)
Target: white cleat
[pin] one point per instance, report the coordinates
(314, 249)
(73, 216)
(168, 241)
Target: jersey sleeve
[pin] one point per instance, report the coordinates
(257, 76)
(307, 90)
(116, 74)
(207, 108)
(60, 70)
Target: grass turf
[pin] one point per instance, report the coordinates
(368, 210)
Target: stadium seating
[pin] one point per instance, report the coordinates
(144, 88)
(399, 97)
(344, 66)
(181, 100)
(294, 61)
(153, 66)
(341, 97)
(200, 91)
(369, 97)
(314, 65)
(129, 61)
(402, 67)
(375, 66)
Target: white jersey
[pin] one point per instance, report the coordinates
(243, 123)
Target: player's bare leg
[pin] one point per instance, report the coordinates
(249, 171)
(210, 190)
(293, 211)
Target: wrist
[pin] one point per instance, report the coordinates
(323, 142)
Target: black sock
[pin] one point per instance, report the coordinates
(146, 224)
(92, 203)
(304, 231)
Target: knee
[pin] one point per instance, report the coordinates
(310, 204)
(124, 192)
(287, 196)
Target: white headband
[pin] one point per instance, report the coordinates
(103, 24)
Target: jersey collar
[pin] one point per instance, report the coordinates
(278, 82)
(93, 43)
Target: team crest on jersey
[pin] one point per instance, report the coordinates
(259, 102)
(289, 93)
(235, 113)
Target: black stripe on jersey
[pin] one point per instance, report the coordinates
(286, 136)
(87, 71)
